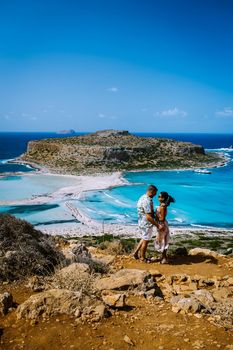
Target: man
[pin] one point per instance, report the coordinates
(146, 221)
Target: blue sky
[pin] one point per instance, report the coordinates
(139, 65)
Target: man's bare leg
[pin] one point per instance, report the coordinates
(135, 253)
(144, 245)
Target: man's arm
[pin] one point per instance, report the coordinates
(150, 218)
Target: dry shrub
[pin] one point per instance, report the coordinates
(25, 251)
(114, 247)
(118, 246)
(84, 283)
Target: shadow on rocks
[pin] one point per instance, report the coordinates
(192, 259)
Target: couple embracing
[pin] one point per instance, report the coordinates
(147, 218)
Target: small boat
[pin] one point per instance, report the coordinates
(202, 171)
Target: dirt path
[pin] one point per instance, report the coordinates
(149, 323)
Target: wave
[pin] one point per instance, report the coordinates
(223, 149)
(118, 201)
(179, 220)
(5, 161)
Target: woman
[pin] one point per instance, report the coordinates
(162, 239)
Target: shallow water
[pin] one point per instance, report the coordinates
(22, 187)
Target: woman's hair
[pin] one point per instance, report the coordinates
(167, 198)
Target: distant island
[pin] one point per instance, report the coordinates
(114, 150)
(66, 132)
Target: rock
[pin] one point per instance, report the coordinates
(155, 273)
(105, 259)
(206, 282)
(74, 270)
(183, 288)
(229, 281)
(128, 340)
(49, 303)
(112, 299)
(123, 279)
(204, 296)
(188, 304)
(67, 252)
(150, 293)
(222, 293)
(167, 290)
(178, 278)
(36, 283)
(81, 253)
(176, 309)
(6, 302)
(204, 252)
(77, 313)
(99, 312)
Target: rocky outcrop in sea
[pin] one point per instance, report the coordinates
(113, 150)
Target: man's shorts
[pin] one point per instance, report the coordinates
(146, 233)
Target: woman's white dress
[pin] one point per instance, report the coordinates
(163, 236)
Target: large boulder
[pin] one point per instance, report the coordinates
(123, 279)
(204, 252)
(74, 270)
(50, 303)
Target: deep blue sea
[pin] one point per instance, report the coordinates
(201, 199)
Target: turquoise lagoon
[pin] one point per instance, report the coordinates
(201, 199)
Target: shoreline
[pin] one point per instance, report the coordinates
(127, 231)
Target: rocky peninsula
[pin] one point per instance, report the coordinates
(113, 150)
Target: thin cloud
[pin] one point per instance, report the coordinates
(113, 89)
(101, 115)
(226, 112)
(172, 112)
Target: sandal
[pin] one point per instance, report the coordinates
(135, 256)
(146, 260)
(164, 261)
